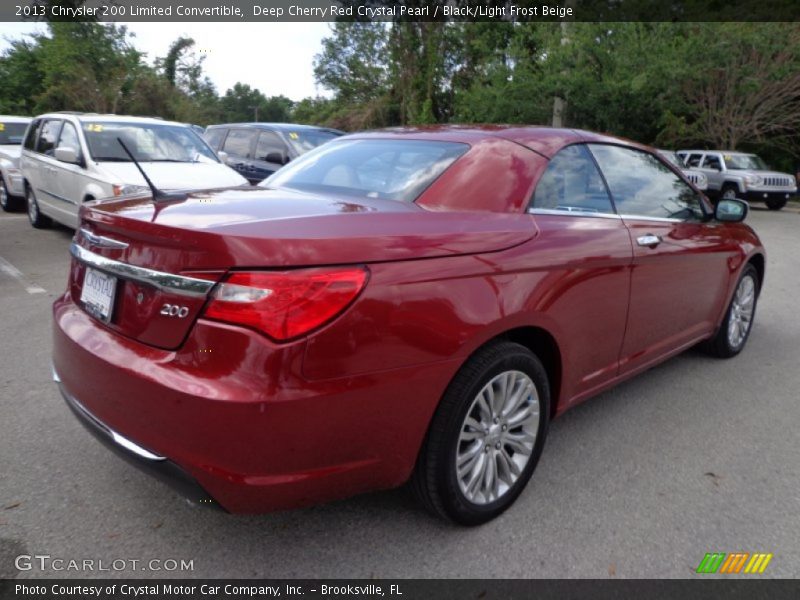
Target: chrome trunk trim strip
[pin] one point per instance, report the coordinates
(166, 282)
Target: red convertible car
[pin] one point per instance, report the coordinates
(392, 306)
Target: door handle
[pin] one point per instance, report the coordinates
(649, 239)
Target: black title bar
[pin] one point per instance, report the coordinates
(391, 10)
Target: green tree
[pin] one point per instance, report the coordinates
(354, 65)
(241, 103)
(195, 98)
(314, 111)
(21, 76)
(85, 66)
(503, 76)
(353, 62)
(748, 90)
(170, 62)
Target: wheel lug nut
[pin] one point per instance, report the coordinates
(504, 427)
(487, 448)
(497, 445)
(496, 420)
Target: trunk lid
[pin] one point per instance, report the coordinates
(212, 232)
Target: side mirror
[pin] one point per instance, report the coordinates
(277, 158)
(67, 155)
(731, 211)
(222, 156)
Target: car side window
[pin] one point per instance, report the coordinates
(32, 135)
(239, 141)
(270, 143)
(572, 183)
(694, 160)
(69, 138)
(47, 139)
(213, 137)
(643, 186)
(712, 162)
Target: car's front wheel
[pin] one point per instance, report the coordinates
(486, 436)
(729, 191)
(735, 329)
(35, 216)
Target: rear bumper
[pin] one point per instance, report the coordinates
(241, 424)
(153, 464)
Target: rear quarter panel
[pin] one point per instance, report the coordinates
(419, 312)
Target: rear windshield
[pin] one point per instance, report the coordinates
(148, 142)
(392, 169)
(305, 140)
(11, 134)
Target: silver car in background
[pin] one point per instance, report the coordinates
(12, 186)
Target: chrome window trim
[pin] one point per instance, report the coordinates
(102, 241)
(166, 282)
(650, 218)
(572, 213)
(578, 213)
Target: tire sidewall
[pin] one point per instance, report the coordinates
(457, 505)
(5, 199)
(775, 204)
(31, 203)
(726, 189)
(748, 271)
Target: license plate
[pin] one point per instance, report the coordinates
(98, 294)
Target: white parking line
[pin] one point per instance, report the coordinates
(9, 269)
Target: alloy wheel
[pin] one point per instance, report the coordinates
(741, 315)
(497, 437)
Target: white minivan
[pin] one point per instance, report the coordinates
(71, 158)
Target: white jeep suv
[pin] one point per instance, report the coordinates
(71, 158)
(741, 175)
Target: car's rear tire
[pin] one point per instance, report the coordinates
(35, 216)
(735, 329)
(8, 202)
(776, 203)
(495, 444)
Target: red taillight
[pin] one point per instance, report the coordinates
(285, 304)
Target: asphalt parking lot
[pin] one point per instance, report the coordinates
(697, 455)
